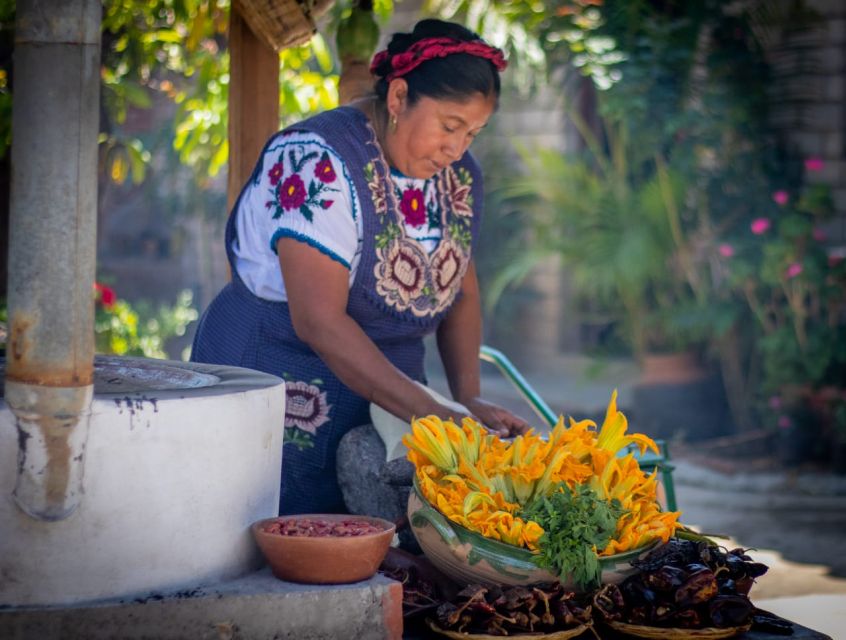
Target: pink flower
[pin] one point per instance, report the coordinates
(794, 270)
(275, 173)
(412, 207)
(292, 193)
(781, 197)
(814, 164)
(785, 422)
(726, 250)
(774, 402)
(818, 234)
(835, 260)
(306, 407)
(760, 226)
(323, 170)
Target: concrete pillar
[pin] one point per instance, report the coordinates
(53, 207)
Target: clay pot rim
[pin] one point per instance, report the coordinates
(387, 526)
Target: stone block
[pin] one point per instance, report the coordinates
(823, 116)
(258, 607)
(834, 88)
(833, 147)
(808, 143)
(831, 59)
(836, 31)
(839, 196)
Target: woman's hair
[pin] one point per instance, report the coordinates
(455, 77)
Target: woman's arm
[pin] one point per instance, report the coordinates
(318, 289)
(459, 339)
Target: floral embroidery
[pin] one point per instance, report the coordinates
(447, 267)
(377, 189)
(401, 274)
(407, 279)
(412, 207)
(306, 409)
(275, 173)
(457, 186)
(291, 194)
(324, 171)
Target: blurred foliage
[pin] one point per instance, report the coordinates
(140, 330)
(538, 37)
(676, 158)
(123, 329)
(160, 52)
(176, 49)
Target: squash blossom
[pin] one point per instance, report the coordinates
(480, 482)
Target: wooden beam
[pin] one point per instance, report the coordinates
(253, 101)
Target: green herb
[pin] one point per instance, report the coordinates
(576, 522)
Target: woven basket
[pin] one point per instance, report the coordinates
(564, 634)
(282, 23)
(661, 633)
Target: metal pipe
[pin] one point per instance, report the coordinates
(52, 255)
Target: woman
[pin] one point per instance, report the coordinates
(351, 241)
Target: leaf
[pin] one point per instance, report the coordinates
(575, 522)
(307, 214)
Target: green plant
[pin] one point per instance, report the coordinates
(613, 215)
(796, 291)
(123, 329)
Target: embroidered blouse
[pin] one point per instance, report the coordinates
(304, 191)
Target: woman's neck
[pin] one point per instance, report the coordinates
(377, 114)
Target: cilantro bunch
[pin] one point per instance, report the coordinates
(577, 523)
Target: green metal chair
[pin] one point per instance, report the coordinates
(648, 461)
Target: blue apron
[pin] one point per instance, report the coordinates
(399, 295)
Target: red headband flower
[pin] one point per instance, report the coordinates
(430, 48)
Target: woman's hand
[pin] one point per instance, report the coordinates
(497, 419)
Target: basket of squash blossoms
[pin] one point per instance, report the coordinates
(572, 506)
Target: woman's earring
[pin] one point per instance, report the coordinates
(393, 124)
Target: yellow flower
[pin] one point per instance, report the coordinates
(480, 481)
(612, 434)
(429, 438)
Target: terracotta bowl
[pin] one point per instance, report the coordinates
(328, 559)
(468, 557)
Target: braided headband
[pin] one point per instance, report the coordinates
(429, 48)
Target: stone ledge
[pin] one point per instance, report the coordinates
(256, 607)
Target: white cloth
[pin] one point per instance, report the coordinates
(319, 206)
(391, 429)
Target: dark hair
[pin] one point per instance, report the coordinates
(455, 77)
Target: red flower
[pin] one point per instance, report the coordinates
(325, 204)
(412, 207)
(275, 173)
(105, 295)
(323, 170)
(292, 193)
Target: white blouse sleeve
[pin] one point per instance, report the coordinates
(304, 191)
(300, 189)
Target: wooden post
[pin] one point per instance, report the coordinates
(253, 101)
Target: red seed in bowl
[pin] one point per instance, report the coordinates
(319, 528)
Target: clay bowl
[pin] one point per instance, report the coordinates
(324, 559)
(468, 557)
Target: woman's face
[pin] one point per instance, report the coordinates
(431, 134)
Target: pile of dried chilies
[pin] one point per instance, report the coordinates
(513, 610)
(487, 484)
